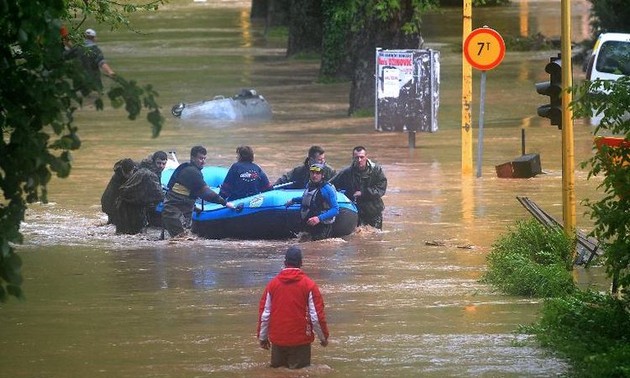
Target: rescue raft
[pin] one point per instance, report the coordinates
(262, 216)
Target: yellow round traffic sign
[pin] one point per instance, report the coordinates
(484, 48)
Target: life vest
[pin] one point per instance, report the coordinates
(176, 187)
(313, 204)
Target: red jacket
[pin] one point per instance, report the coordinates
(291, 310)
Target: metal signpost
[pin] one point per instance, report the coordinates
(484, 49)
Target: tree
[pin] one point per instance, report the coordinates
(611, 213)
(347, 32)
(39, 93)
(335, 60)
(351, 32)
(393, 24)
(305, 27)
(273, 12)
(609, 16)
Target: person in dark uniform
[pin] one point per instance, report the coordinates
(184, 187)
(319, 205)
(300, 175)
(123, 169)
(138, 195)
(156, 164)
(91, 59)
(364, 183)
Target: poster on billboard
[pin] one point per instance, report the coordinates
(407, 90)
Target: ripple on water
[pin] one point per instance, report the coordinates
(464, 355)
(51, 225)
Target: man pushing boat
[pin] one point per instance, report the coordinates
(184, 187)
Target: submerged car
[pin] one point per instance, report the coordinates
(246, 105)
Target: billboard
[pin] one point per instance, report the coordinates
(407, 90)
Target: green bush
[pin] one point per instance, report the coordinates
(590, 329)
(531, 260)
(611, 212)
(533, 42)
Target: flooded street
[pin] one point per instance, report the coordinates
(404, 302)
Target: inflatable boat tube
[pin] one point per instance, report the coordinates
(262, 216)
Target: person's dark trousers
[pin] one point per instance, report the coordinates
(293, 357)
(154, 219)
(375, 221)
(320, 231)
(177, 213)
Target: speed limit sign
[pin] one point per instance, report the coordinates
(484, 48)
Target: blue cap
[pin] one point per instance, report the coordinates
(293, 257)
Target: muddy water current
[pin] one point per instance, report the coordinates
(402, 302)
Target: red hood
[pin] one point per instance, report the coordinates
(290, 275)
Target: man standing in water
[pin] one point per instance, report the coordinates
(123, 169)
(93, 62)
(156, 164)
(290, 314)
(364, 182)
(299, 175)
(184, 187)
(319, 204)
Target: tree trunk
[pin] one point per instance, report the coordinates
(335, 62)
(272, 12)
(386, 34)
(305, 27)
(259, 9)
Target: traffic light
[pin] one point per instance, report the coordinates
(553, 89)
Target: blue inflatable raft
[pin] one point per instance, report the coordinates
(263, 216)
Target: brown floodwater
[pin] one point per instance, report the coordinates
(402, 302)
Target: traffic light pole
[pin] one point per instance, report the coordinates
(568, 164)
(466, 134)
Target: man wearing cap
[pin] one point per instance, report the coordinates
(299, 175)
(319, 205)
(93, 62)
(365, 183)
(290, 314)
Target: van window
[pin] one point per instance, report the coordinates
(614, 58)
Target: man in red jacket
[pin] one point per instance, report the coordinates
(290, 314)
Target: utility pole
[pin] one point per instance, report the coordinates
(568, 155)
(467, 159)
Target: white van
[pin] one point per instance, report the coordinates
(610, 60)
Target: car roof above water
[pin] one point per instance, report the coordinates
(610, 58)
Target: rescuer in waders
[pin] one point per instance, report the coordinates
(123, 169)
(319, 205)
(156, 164)
(137, 199)
(184, 187)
